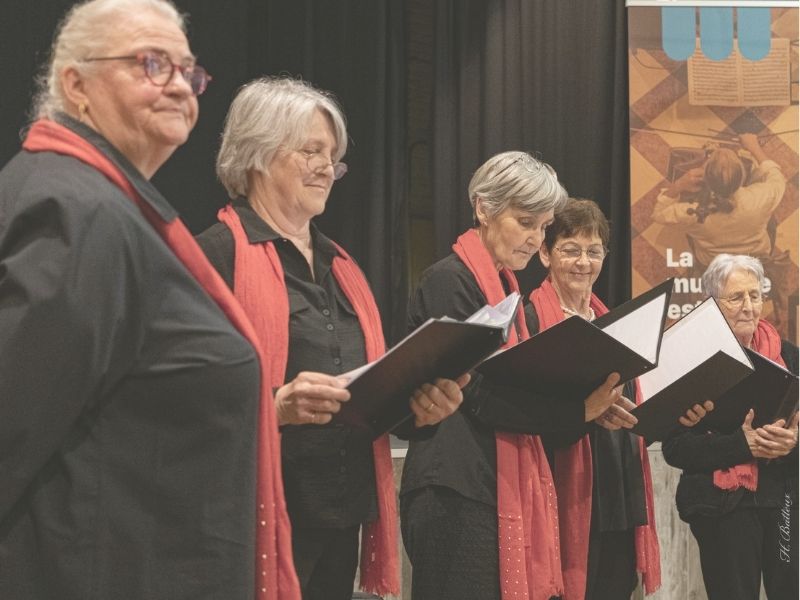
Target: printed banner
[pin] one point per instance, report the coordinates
(714, 149)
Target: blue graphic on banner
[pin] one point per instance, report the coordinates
(678, 31)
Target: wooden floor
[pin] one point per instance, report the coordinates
(680, 565)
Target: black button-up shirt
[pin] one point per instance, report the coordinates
(328, 470)
(128, 401)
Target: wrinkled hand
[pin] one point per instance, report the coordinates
(695, 414)
(602, 398)
(617, 415)
(776, 440)
(310, 398)
(435, 401)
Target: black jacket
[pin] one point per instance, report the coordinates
(699, 453)
(129, 401)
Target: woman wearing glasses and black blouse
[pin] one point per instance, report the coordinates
(130, 385)
(606, 511)
(316, 318)
(738, 490)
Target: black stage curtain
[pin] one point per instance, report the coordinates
(546, 77)
(353, 48)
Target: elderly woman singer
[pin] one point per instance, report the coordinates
(314, 312)
(738, 490)
(478, 507)
(130, 386)
(606, 513)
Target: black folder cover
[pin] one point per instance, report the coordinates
(702, 331)
(379, 397)
(659, 415)
(572, 358)
(771, 391)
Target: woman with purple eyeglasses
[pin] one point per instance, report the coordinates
(133, 404)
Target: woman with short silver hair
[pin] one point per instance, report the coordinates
(317, 320)
(130, 380)
(478, 511)
(738, 489)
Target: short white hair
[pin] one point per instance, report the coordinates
(718, 271)
(516, 180)
(269, 114)
(85, 31)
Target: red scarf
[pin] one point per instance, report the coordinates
(260, 287)
(573, 477)
(767, 342)
(273, 538)
(527, 517)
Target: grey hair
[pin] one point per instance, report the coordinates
(723, 265)
(516, 180)
(267, 115)
(85, 31)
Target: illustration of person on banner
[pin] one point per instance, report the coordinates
(725, 206)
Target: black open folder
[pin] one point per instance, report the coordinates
(439, 348)
(572, 358)
(771, 391)
(700, 359)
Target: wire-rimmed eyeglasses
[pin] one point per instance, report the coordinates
(316, 162)
(593, 253)
(159, 69)
(737, 300)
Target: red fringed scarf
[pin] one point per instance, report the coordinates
(273, 538)
(527, 514)
(260, 288)
(573, 477)
(767, 342)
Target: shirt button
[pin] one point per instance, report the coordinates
(326, 312)
(342, 469)
(343, 452)
(329, 326)
(337, 361)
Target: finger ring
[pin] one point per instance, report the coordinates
(430, 406)
(313, 417)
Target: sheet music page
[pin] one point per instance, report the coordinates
(498, 315)
(737, 81)
(765, 82)
(688, 343)
(640, 330)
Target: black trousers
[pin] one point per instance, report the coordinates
(740, 546)
(611, 573)
(451, 542)
(326, 562)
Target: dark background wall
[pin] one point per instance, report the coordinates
(431, 88)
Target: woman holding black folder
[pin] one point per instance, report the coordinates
(606, 512)
(738, 490)
(316, 320)
(477, 502)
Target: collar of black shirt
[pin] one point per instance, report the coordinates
(259, 231)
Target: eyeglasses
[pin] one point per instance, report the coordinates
(159, 70)
(317, 162)
(737, 300)
(594, 254)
